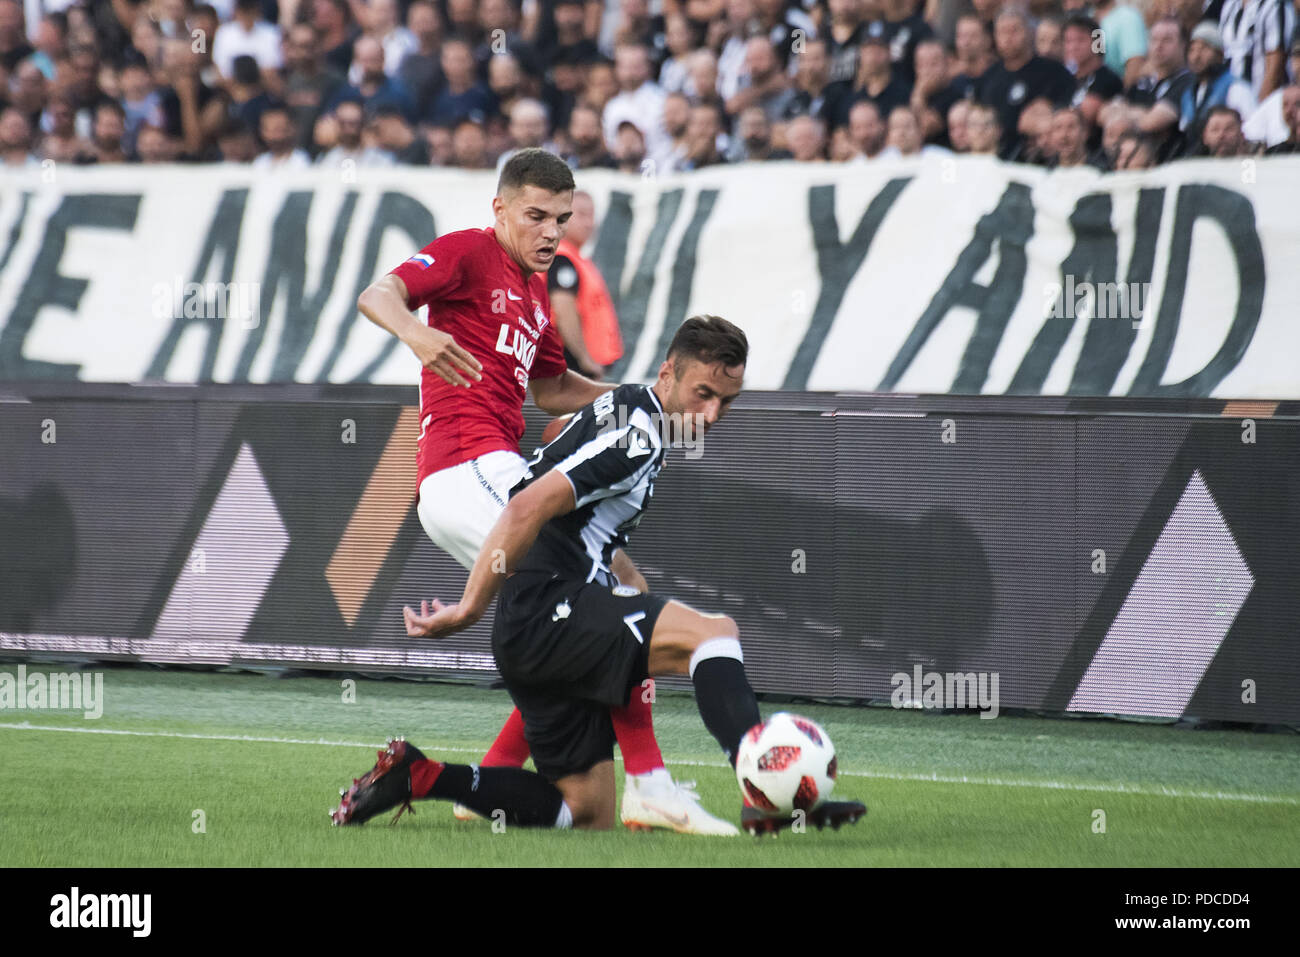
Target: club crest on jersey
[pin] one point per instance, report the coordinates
(542, 321)
(422, 259)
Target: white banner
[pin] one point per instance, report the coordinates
(923, 276)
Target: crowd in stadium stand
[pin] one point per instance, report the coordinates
(645, 86)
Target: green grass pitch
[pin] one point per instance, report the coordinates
(263, 760)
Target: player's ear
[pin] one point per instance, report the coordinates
(666, 373)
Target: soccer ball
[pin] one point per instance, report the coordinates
(786, 763)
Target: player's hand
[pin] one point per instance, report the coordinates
(439, 353)
(436, 620)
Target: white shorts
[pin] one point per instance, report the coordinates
(459, 505)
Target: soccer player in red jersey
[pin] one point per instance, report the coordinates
(488, 340)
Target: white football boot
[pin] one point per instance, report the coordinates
(655, 800)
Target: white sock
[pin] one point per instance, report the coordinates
(658, 778)
(564, 819)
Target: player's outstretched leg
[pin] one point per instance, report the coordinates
(403, 774)
(509, 750)
(707, 647)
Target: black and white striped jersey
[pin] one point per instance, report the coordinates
(1252, 29)
(611, 451)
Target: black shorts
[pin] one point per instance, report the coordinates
(568, 652)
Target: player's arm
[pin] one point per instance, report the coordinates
(626, 572)
(385, 303)
(507, 543)
(569, 392)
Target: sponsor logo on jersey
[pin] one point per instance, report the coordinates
(422, 259)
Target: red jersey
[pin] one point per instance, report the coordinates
(477, 294)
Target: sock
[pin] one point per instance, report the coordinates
(528, 799)
(723, 694)
(635, 729)
(510, 749)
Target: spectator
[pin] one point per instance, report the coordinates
(1161, 87)
(386, 27)
(629, 148)
(806, 139)
(704, 128)
(1035, 146)
(1135, 151)
(737, 27)
(236, 142)
(812, 73)
(419, 71)
(982, 131)
(904, 26)
(959, 125)
(438, 139)
(587, 141)
(1291, 113)
(280, 138)
(846, 32)
(1049, 39)
(62, 143)
(636, 25)
(639, 100)
(867, 129)
(1267, 124)
(247, 96)
(349, 150)
(463, 21)
(702, 76)
(28, 91)
(903, 136)
(529, 127)
(153, 145)
(248, 35)
(1256, 34)
(841, 147)
(1095, 84)
(783, 24)
(141, 102)
(974, 55)
(308, 82)
(1070, 139)
(51, 43)
(677, 114)
(203, 24)
(108, 131)
(1020, 78)
(682, 39)
(580, 301)
(14, 47)
(16, 141)
(469, 146)
(1117, 121)
(1213, 84)
(1124, 37)
(506, 82)
(463, 96)
(875, 81)
(753, 140)
(392, 132)
(499, 30)
(764, 83)
(370, 83)
(336, 32)
(601, 86)
(1221, 136)
(933, 94)
(566, 36)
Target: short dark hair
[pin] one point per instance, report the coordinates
(708, 339)
(1222, 110)
(536, 167)
(1081, 21)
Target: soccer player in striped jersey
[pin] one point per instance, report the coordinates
(569, 640)
(489, 339)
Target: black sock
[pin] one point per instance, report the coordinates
(726, 701)
(527, 799)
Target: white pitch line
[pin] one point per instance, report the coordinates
(878, 775)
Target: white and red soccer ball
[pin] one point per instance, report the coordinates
(786, 764)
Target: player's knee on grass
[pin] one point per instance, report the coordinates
(590, 797)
